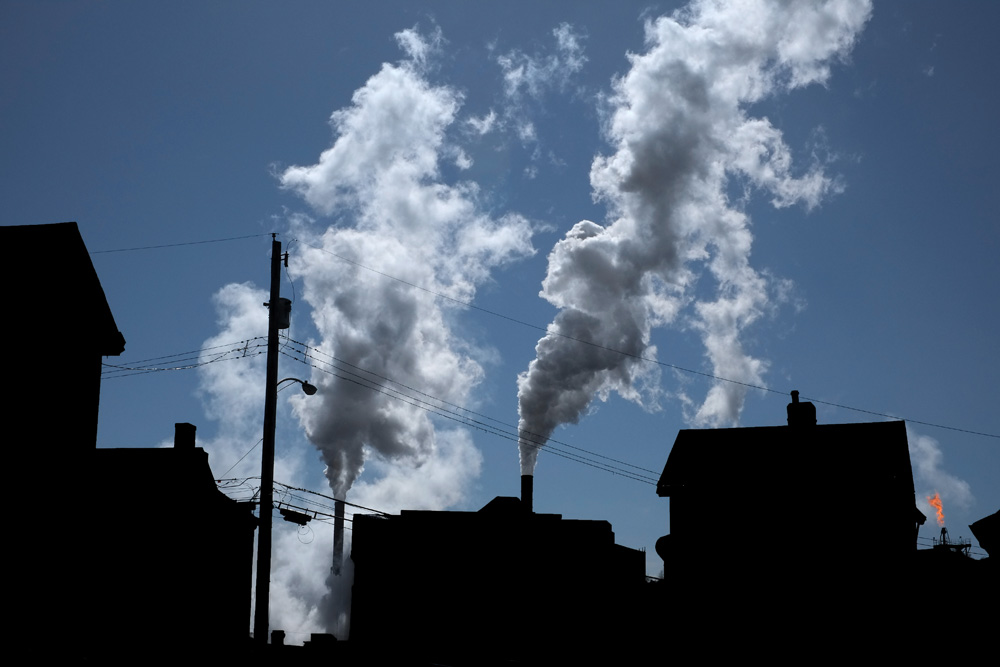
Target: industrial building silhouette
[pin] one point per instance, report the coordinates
(502, 583)
(759, 558)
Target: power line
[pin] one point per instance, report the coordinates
(321, 495)
(175, 245)
(199, 351)
(125, 371)
(486, 428)
(912, 421)
(176, 362)
(638, 357)
(122, 371)
(289, 491)
(534, 439)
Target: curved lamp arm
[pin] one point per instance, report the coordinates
(306, 387)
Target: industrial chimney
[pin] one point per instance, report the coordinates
(338, 536)
(527, 493)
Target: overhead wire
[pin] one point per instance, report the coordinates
(126, 371)
(174, 245)
(532, 438)
(453, 415)
(176, 362)
(549, 331)
(287, 495)
(453, 412)
(546, 329)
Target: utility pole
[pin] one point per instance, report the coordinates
(260, 626)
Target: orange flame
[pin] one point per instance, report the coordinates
(935, 502)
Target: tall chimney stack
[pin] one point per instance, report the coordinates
(338, 536)
(528, 493)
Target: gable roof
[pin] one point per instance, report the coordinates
(841, 455)
(50, 264)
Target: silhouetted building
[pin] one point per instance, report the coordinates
(987, 531)
(56, 328)
(171, 557)
(494, 585)
(132, 550)
(805, 530)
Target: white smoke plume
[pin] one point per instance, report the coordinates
(679, 125)
(930, 477)
(231, 387)
(397, 216)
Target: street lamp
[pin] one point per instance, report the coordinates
(306, 387)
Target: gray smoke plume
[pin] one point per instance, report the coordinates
(679, 126)
(397, 217)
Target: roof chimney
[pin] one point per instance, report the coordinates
(801, 414)
(184, 435)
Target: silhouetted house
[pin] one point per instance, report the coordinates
(172, 556)
(58, 326)
(802, 528)
(987, 531)
(129, 548)
(494, 585)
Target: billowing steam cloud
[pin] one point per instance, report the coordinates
(682, 137)
(232, 392)
(382, 178)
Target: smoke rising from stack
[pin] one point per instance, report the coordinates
(397, 217)
(681, 137)
(931, 479)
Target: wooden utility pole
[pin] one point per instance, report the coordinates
(260, 621)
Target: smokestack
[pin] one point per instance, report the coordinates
(800, 414)
(184, 435)
(338, 536)
(527, 493)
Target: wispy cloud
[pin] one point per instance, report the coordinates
(528, 78)
(532, 75)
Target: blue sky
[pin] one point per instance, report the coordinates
(470, 141)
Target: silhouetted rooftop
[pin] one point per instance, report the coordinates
(765, 457)
(55, 262)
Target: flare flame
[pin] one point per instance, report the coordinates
(935, 502)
